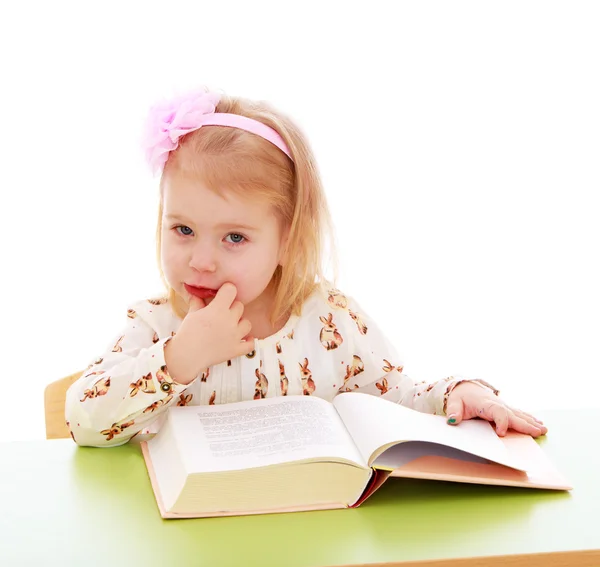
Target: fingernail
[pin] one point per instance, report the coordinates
(452, 419)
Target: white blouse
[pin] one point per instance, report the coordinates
(332, 347)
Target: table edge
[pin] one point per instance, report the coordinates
(575, 558)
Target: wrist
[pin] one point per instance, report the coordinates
(182, 371)
(478, 383)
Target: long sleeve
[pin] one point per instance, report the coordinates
(128, 386)
(370, 364)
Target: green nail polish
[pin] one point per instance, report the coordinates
(452, 420)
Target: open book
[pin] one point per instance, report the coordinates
(305, 453)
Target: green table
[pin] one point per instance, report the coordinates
(64, 505)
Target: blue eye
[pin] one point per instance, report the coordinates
(236, 238)
(184, 230)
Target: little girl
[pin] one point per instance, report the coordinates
(247, 313)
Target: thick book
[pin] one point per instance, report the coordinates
(298, 453)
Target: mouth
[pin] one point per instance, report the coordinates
(201, 292)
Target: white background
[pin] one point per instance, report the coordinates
(458, 142)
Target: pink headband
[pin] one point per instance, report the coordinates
(170, 120)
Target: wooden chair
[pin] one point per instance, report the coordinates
(54, 407)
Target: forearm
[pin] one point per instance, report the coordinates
(117, 398)
(433, 397)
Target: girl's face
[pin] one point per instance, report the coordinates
(208, 239)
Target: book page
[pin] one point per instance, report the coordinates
(375, 424)
(260, 433)
(399, 455)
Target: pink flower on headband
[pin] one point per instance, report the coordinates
(168, 121)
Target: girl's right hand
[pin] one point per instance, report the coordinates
(209, 335)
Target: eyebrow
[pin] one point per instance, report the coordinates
(176, 217)
(220, 226)
(231, 225)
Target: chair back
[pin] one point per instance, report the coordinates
(54, 406)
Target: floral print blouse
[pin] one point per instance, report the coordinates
(332, 347)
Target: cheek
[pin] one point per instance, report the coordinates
(172, 258)
(252, 275)
(239, 272)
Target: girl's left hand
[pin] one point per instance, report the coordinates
(468, 400)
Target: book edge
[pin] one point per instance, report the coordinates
(172, 515)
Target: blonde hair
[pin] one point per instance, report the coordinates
(235, 160)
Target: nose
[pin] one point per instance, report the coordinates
(203, 257)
